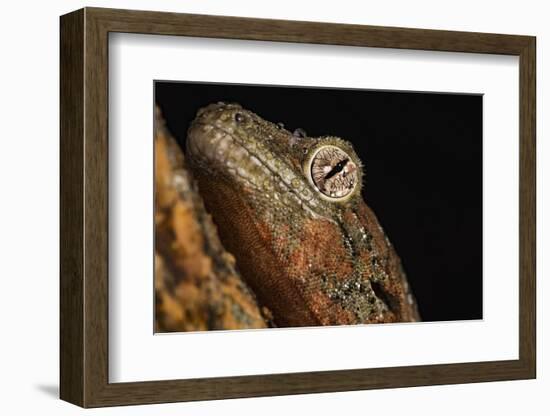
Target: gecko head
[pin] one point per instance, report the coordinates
(263, 160)
(289, 208)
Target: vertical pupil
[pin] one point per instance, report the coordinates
(337, 168)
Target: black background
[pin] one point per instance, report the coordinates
(422, 154)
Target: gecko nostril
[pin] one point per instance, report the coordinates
(239, 117)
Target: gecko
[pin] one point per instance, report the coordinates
(289, 207)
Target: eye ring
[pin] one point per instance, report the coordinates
(333, 173)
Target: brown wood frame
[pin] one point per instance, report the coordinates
(84, 208)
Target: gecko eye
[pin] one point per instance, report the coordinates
(333, 173)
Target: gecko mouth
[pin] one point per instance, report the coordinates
(249, 162)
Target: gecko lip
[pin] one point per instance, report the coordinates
(243, 161)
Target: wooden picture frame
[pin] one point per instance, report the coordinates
(84, 207)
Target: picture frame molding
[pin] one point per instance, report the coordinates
(84, 218)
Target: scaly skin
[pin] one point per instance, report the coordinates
(312, 259)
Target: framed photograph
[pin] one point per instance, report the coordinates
(255, 207)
